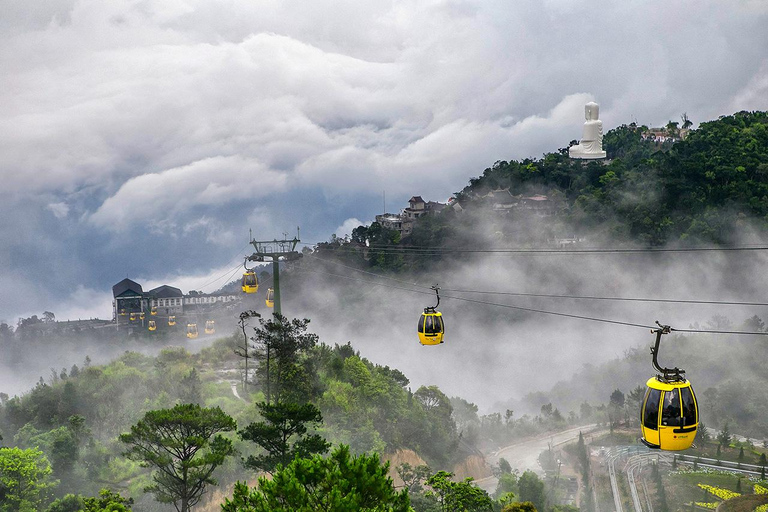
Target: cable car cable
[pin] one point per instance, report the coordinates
(626, 299)
(230, 272)
(757, 333)
(508, 306)
(371, 273)
(541, 311)
(555, 296)
(237, 257)
(591, 250)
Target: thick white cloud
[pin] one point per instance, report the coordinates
(347, 226)
(209, 182)
(188, 116)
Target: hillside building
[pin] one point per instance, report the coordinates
(129, 297)
(403, 222)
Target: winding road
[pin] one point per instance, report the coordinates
(524, 456)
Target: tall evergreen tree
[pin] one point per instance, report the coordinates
(283, 435)
(185, 446)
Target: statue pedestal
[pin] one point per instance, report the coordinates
(578, 152)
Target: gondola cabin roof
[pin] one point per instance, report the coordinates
(655, 383)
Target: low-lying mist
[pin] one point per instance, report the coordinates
(492, 356)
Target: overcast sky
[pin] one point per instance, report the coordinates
(143, 139)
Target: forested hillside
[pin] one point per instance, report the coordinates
(696, 190)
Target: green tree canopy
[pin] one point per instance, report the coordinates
(460, 496)
(339, 483)
(280, 344)
(24, 479)
(283, 434)
(532, 489)
(184, 444)
(107, 501)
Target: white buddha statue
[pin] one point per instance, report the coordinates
(591, 144)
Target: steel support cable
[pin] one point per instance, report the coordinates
(228, 271)
(487, 303)
(592, 250)
(533, 310)
(553, 296)
(371, 273)
(626, 299)
(756, 333)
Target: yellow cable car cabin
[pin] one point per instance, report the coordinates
(192, 331)
(123, 312)
(172, 320)
(152, 325)
(133, 317)
(431, 327)
(153, 311)
(250, 283)
(670, 415)
(270, 300)
(210, 327)
(141, 315)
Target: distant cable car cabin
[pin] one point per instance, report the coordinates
(133, 317)
(123, 312)
(153, 311)
(152, 325)
(270, 300)
(141, 315)
(210, 327)
(431, 327)
(249, 282)
(172, 320)
(669, 415)
(192, 331)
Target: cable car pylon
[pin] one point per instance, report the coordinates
(274, 250)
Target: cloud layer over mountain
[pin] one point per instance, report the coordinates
(144, 138)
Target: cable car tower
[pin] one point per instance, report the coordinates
(273, 251)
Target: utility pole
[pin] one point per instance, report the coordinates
(273, 251)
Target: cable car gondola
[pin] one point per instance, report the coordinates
(210, 327)
(431, 327)
(133, 317)
(192, 331)
(153, 311)
(172, 320)
(141, 316)
(123, 312)
(249, 283)
(270, 300)
(152, 325)
(669, 415)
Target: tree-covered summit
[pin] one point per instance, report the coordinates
(695, 189)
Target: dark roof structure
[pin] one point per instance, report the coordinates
(126, 287)
(164, 292)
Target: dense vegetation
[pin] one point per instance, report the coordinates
(693, 191)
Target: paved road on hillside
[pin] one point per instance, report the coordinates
(524, 456)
